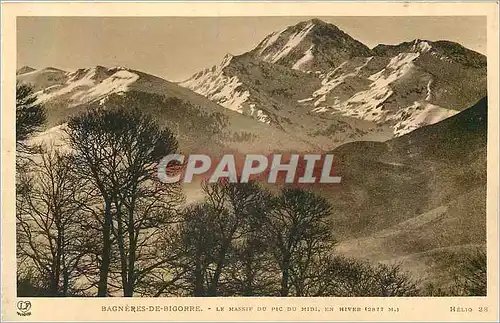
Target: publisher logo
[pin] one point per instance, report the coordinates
(23, 308)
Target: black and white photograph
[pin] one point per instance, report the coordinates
(406, 121)
(243, 157)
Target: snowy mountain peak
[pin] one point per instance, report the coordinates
(421, 46)
(226, 60)
(309, 46)
(387, 91)
(118, 67)
(293, 36)
(97, 73)
(81, 86)
(24, 70)
(442, 50)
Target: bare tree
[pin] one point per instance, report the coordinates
(48, 215)
(214, 232)
(469, 277)
(199, 239)
(117, 148)
(347, 277)
(392, 280)
(236, 206)
(143, 251)
(90, 139)
(252, 270)
(299, 231)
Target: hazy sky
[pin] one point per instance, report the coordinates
(177, 47)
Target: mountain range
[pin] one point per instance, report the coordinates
(407, 123)
(310, 76)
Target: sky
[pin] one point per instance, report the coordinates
(177, 47)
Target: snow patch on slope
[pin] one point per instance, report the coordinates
(429, 92)
(268, 41)
(226, 94)
(402, 60)
(218, 87)
(320, 100)
(52, 137)
(215, 85)
(333, 79)
(259, 114)
(368, 104)
(116, 83)
(305, 100)
(292, 42)
(421, 46)
(418, 115)
(84, 85)
(308, 56)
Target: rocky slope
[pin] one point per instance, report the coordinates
(419, 199)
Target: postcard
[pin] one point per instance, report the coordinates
(250, 161)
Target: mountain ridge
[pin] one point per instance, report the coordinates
(401, 87)
(386, 92)
(64, 94)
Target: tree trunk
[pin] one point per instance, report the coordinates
(249, 274)
(121, 247)
(198, 279)
(284, 283)
(102, 289)
(131, 253)
(285, 276)
(53, 284)
(128, 290)
(212, 290)
(65, 282)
